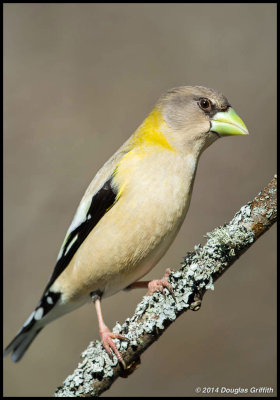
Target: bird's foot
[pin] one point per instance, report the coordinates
(107, 340)
(160, 284)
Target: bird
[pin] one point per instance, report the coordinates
(132, 210)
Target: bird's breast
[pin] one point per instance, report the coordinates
(157, 184)
(154, 194)
(155, 191)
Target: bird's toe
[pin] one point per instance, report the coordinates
(160, 284)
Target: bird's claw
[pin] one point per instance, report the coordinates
(110, 346)
(160, 284)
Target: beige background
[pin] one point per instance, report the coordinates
(78, 79)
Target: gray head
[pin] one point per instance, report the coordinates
(196, 116)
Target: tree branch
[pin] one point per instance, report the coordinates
(153, 315)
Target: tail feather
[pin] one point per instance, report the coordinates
(42, 315)
(24, 337)
(48, 309)
(21, 342)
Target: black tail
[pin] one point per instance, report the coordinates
(20, 343)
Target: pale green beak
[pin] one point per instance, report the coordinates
(228, 123)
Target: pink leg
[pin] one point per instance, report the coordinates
(138, 285)
(154, 285)
(107, 336)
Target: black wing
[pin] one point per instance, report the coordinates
(100, 203)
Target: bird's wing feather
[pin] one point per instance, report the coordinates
(99, 197)
(97, 200)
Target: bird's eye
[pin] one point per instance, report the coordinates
(205, 104)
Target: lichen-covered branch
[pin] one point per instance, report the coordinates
(153, 315)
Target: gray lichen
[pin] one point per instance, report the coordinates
(95, 364)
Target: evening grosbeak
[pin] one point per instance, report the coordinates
(132, 210)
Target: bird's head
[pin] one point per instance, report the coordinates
(194, 117)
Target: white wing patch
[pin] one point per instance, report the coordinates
(70, 244)
(81, 214)
(39, 313)
(79, 218)
(29, 319)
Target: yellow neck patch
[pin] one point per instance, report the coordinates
(149, 132)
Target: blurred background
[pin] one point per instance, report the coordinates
(78, 80)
